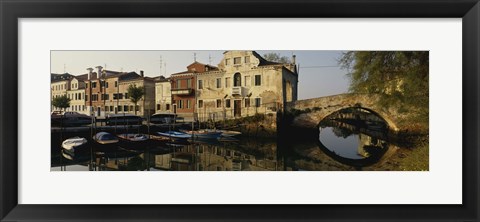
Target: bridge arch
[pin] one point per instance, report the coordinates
(390, 123)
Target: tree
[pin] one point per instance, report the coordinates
(61, 102)
(399, 77)
(275, 57)
(136, 94)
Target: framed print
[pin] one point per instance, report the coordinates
(153, 104)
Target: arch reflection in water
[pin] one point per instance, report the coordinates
(353, 136)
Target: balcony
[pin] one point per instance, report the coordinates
(239, 90)
(182, 92)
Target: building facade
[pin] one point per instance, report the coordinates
(59, 85)
(163, 95)
(183, 91)
(245, 84)
(107, 93)
(76, 94)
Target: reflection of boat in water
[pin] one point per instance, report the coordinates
(175, 135)
(204, 134)
(227, 139)
(74, 144)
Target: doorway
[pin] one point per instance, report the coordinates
(237, 108)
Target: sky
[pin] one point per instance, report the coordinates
(319, 73)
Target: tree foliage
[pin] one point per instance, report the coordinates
(61, 102)
(399, 77)
(136, 94)
(275, 57)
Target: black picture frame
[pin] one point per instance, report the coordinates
(11, 11)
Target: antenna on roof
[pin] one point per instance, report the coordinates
(209, 59)
(194, 57)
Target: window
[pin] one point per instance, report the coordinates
(227, 81)
(120, 108)
(94, 84)
(158, 106)
(106, 108)
(76, 96)
(178, 84)
(247, 59)
(258, 80)
(227, 103)
(131, 108)
(86, 85)
(116, 84)
(200, 84)
(200, 103)
(105, 96)
(180, 104)
(219, 83)
(189, 83)
(248, 81)
(237, 79)
(257, 102)
(237, 60)
(126, 96)
(106, 84)
(86, 98)
(111, 108)
(188, 104)
(247, 102)
(115, 96)
(167, 106)
(125, 108)
(227, 62)
(219, 103)
(94, 97)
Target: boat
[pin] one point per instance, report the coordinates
(175, 135)
(105, 138)
(204, 134)
(74, 143)
(70, 119)
(133, 137)
(229, 133)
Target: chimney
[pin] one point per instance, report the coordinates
(294, 59)
(90, 70)
(141, 73)
(99, 71)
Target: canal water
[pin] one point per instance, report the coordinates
(345, 141)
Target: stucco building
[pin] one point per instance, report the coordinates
(244, 84)
(76, 94)
(59, 85)
(163, 95)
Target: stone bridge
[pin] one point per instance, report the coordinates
(314, 110)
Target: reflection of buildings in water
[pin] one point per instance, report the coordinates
(365, 141)
(212, 158)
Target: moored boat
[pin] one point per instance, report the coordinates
(74, 143)
(133, 137)
(175, 135)
(105, 138)
(229, 133)
(204, 134)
